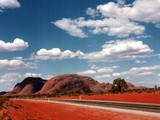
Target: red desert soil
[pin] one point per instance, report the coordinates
(27, 110)
(132, 97)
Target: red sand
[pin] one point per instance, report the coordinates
(27, 110)
(132, 97)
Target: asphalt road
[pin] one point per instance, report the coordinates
(155, 108)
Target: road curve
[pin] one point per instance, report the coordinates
(123, 105)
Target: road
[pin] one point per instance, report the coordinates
(155, 108)
(32, 109)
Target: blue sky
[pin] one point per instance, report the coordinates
(104, 39)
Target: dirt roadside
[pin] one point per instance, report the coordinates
(28, 110)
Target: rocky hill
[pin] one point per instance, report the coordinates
(2, 93)
(29, 85)
(72, 83)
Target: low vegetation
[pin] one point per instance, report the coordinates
(119, 85)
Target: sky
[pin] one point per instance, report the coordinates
(103, 39)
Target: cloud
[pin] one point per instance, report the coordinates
(16, 64)
(141, 71)
(92, 66)
(150, 73)
(114, 19)
(6, 4)
(143, 36)
(121, 2)
(157, 25)
(97, 70)
(145, 76)
(10, 77)
(54, 54)
(103, 76)
(48, 77)
(140, 61)
(16, 45)
(71, 27)
(18, 58)
(87, 72)
(112, 27)
(92, 12)
(140, 10)
(105, 70)
(108, 26)
(119, 51)
(13, 76)
(116, 74)
(145, 73)
(32, 75)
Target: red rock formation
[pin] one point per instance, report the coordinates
(29, 85)
(133, 87)
(73, 83)
(62, 83)
(67, 83)
(130, 85)
(101, 87)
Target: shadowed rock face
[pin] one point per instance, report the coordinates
(29, 85)
(70, 82)
(2, 93)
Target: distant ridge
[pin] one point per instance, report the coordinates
(67, 83)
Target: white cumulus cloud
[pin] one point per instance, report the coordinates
(119, 51)
(92, 12)
(139, 70)
(108, 26)
(16, 64)
(87, 72)
(105, 70)
(55, 53)
(103, 76)
(140, 10)
(145, 73)
(71, 27)
(142, 71)
(115, 19)
(16, 45)
(6, 4)
(14, 76)
(32, 75)
(116, 74)
(98, 70)
(140, 61)
(10, 77)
